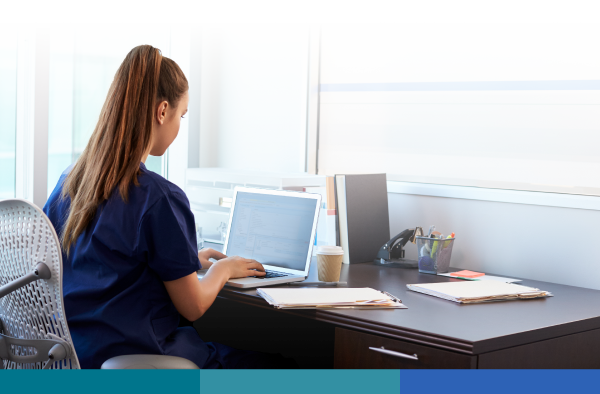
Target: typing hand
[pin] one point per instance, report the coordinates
(239, 267)
(207, 253)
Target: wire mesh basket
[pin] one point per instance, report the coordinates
(434, 254)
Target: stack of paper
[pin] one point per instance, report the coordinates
(478, 291)
(483, 278)
(347, 298)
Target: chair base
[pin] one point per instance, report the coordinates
(148, 361)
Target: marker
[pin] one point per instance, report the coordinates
(448, 242)
(434, 248)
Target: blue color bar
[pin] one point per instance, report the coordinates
(498, 381)
(460, 86)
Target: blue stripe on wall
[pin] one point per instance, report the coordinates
(460, 86)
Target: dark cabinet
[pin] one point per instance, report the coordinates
(355, 349)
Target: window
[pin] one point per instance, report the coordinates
(254, 97)
(83, 62)
(8, 112)
(512, 106)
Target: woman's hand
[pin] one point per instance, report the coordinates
(192, 297)
(208, 253)
(238, 267)
(234, 267)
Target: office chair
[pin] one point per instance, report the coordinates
(33, 328)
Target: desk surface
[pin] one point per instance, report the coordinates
(471, 329)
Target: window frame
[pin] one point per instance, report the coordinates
(33, 69)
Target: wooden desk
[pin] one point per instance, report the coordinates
(558, 332)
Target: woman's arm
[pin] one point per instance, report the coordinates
(192, 297)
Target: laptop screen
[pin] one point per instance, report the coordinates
(270, 229)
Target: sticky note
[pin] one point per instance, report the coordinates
(467, 274)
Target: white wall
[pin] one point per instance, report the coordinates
(254, 94)
(515, 240)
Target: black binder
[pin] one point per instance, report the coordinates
(363, 215)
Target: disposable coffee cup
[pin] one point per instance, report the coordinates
(329, 263)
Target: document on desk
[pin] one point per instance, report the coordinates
(338, 298)
(471, 292)
(484, 278)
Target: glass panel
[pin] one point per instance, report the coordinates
(60, 118)
(485, 105)
(8, 112)
(83, 63)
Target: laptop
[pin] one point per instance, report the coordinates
(277, 228)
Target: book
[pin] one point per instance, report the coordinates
(470, 292)
(363, 215)
(332, 232)
(330, 191)
(467, 274)
(340, 203)
(314, 298)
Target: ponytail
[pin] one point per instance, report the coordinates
(122, 135)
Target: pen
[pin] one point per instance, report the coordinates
(393, 297)
(431, 229)
(319, 283)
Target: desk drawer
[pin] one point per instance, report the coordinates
(352, 350)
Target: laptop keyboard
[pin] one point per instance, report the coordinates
(272, 274)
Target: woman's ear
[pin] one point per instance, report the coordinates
(161, 112)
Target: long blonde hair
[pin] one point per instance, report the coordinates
(122, 135)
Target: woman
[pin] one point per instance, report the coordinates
(129, 245)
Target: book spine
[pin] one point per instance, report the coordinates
(332, 237)
(330, 192)
(337, 222)
(342, 212)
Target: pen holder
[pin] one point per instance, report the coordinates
(434, 254)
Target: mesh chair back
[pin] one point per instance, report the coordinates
(36, 310)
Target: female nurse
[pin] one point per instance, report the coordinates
(128, 235)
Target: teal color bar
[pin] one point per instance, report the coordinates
(299, 381)
(100, 382)
(204, 381)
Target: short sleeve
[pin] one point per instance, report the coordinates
(168, 238)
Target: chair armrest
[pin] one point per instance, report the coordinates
(148, 361)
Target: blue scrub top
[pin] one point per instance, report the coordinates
(114, 297)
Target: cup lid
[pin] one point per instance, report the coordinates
(330, 250)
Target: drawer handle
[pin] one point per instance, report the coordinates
(225, 202)
(394, 353)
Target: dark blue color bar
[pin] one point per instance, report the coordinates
(498, 381)
(460, 86)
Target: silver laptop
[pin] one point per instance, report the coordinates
(277, 228)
